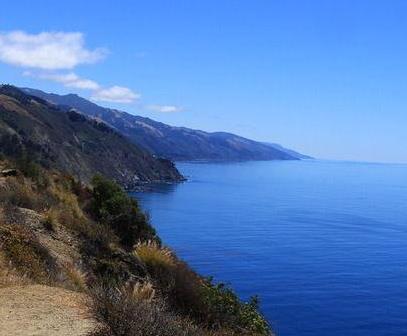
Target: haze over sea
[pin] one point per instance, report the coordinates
(324, 244)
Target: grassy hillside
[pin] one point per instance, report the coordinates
(95, 239)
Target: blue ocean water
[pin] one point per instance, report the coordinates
(324, 244)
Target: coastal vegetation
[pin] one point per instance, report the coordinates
(95, 239)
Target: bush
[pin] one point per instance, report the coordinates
(221, 307)
(214, 306)
(160, 264)
(31, 169)
(28, 167)
(110, 264)
(121, 313)
(111, 206)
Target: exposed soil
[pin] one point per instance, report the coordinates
(43, 311)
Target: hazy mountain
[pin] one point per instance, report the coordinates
(72, 142)
(176, 143)
(291, 152)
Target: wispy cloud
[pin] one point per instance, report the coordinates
(47, 50)
(115, 94)
(67, 79)
(164, 108)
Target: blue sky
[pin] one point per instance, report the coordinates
(327, 78)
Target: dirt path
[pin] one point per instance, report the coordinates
(42, 311)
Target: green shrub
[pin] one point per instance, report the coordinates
(111, 206)
(111, 265)
(28, 167)
(223, 308)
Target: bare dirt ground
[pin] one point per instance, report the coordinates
(36, 310)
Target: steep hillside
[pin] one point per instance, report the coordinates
(71, 142)
(175, 143)
(59, 237)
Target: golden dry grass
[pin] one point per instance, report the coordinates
(143, 291)
(77, 278)
(153, 255)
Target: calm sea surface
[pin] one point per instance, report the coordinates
(324, 244)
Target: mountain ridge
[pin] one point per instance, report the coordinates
(173, 142)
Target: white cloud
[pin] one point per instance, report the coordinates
(47, 50)
(164, 108)
(69, 80)
(115, 94)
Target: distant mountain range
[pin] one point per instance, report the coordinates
(74, 143)
(175, 143)
(291, 152)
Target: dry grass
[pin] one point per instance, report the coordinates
(215, 307)
(76, 277)
(65, 196)
(9, 276)
(29, 259)
(143, 291)
(66, 210)
(153, 255)
(18, 193)
(26, 255)
(121, 314)
(160, 263)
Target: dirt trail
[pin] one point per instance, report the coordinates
(42, 311)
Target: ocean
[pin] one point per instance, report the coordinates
(323, 244)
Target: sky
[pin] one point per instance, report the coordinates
(324, 77)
